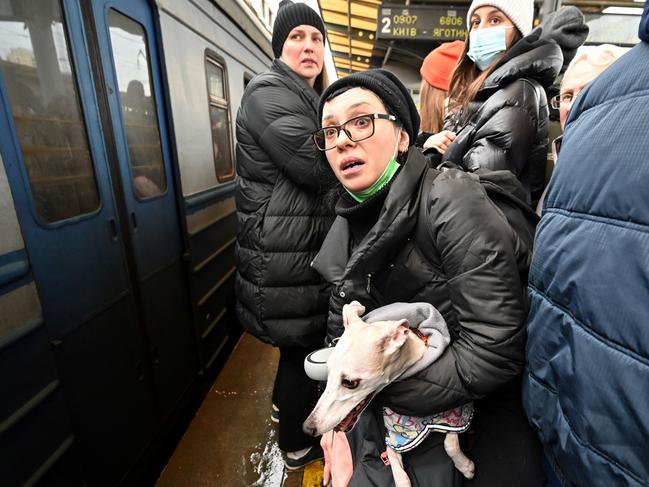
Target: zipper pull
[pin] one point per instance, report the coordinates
(369, 279)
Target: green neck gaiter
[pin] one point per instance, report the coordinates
(385, 178)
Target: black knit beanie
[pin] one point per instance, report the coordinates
(289, 16)
(388, 88)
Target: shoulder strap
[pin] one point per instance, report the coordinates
(519, 215)
(537, 91)
(422, 228)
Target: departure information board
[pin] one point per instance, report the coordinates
(437, 22)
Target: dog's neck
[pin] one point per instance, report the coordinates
(417, 342)
(410, 353)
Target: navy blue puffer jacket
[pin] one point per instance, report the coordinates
(586, 386)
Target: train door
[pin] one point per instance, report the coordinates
(55, 156)
(128, 52)
(84, 142)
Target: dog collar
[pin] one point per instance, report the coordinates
(419, 334)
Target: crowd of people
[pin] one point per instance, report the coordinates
(349, 192)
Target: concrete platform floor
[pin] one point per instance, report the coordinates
(231, 440)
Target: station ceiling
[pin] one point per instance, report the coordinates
(352, 31)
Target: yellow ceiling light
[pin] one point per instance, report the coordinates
(334, 18)
(357, 9)
(339, 48)
(353, 52)
(337, 38)
(342, 62)
(351, 27)
(362, 45)
(358, 23)
(339, 18)
(361, 52)
(358, 47)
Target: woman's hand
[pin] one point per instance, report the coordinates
(440, 141)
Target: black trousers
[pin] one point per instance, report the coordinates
(295, 395)
(505, 448)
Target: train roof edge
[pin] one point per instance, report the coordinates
(242, 15)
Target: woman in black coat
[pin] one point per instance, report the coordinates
(407, 233)
(281, 221)
(498, 110)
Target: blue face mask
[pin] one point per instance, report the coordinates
(486, 45)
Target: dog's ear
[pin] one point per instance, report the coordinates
(352, 312)
(396, 336)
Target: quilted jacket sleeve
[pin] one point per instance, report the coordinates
(504, 140)
(477, 250)
(280, 122)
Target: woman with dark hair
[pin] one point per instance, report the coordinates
(281, 220)
(406, 232)
(498, 106)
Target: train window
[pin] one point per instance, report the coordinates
(219, 120)
(215, 81)
(41, 85)
(131, 57)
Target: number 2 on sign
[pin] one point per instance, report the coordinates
(386, 25)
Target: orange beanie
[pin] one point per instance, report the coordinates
(437, 69)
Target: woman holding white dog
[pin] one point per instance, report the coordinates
(405, 232)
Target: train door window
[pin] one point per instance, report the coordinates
(41, 83)
(132, 67)
(219, 120)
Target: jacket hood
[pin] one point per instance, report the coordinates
(643, 32)
(567, 28)
(532, 57)
(544, 53)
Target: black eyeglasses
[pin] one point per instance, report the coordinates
(357, 129)
(557, 101)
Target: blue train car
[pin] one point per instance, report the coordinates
(117, 225)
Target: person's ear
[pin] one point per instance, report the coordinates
(404, 141)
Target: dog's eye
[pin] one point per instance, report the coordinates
(350, 384)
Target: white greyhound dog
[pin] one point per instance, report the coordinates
(368, 357)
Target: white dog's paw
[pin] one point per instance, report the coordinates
(468, 470)
(352, 312)
(356, 307)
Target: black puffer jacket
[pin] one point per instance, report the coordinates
(506, 126)
(447, 244)
(281, 221)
